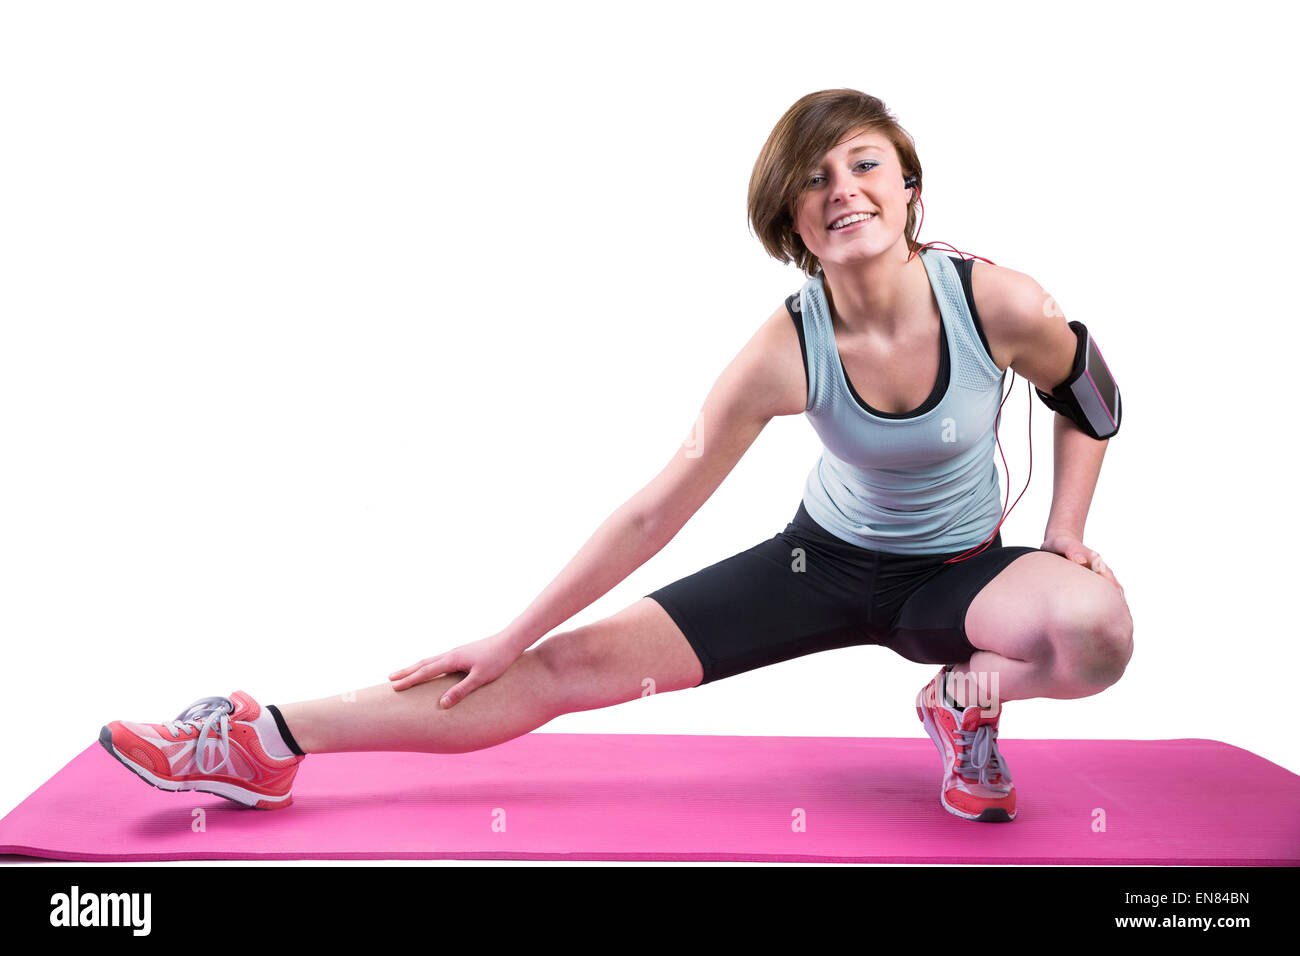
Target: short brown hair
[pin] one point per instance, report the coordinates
(807, 131)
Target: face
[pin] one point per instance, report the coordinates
(861, 174)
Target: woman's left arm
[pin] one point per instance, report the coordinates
(1024, 322)
(1076, 465)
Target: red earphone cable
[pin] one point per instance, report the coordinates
(1006, 511)
(971, 552)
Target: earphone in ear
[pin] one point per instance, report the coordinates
(910, 182)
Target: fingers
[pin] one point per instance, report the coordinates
(1090, 560)
(419, 672)
(1095, 563)
(410, 668)
(459, 692)
(1087, 558)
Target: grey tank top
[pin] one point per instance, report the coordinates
(918, 482)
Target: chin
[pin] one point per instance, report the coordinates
(848, 257)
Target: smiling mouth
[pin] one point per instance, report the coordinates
(854, 221)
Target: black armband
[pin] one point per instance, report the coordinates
(1089, 397)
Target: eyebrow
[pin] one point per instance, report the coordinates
(858, 149)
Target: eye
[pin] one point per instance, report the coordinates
(870, 164)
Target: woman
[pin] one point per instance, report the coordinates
(897, 354)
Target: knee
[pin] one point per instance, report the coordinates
(1094, 639)
(571, 662)
(567, 654)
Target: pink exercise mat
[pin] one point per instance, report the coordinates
(556, 796)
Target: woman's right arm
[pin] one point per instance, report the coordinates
(765, 379)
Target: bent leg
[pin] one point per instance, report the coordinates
(1048, 628)
(597, 665)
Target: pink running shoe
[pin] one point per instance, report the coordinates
(212, 747)
(976, 782)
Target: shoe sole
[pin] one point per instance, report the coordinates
(244, 798)
(988, 815)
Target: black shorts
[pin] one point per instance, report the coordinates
(773, 602)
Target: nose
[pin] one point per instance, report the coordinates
(843, 187)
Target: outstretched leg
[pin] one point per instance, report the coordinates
(597, 665)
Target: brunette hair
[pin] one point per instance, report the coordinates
(807, 131)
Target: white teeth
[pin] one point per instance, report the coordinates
(850, 220)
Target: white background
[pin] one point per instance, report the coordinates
(332, 331)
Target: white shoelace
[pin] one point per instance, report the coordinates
(203, 714)
(980, 753)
